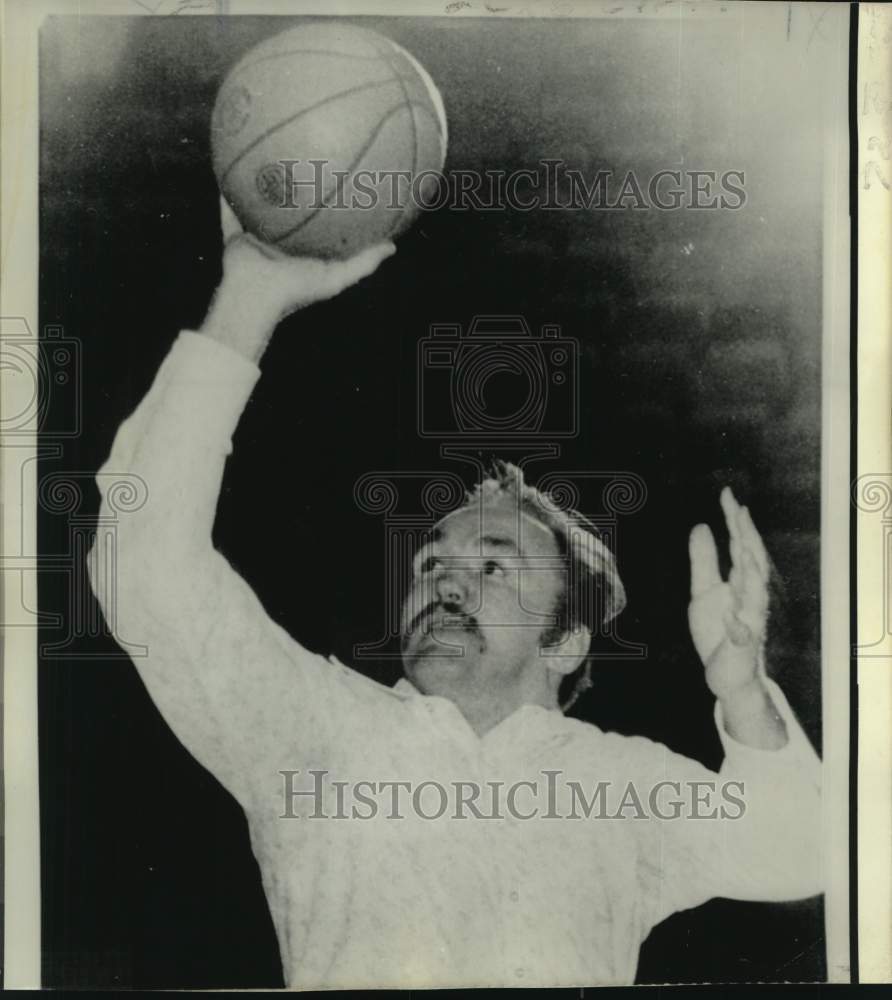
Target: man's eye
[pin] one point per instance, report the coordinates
(492, 568)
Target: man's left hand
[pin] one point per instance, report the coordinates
(728, 618)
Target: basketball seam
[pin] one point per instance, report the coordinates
(432, 92)
(288, 121)
(399, 79)
(338, 186)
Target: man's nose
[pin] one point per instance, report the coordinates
(451, 590)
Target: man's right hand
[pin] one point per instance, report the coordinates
(262, 285)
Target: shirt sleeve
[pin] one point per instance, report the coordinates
(754, 834)
(235, 688)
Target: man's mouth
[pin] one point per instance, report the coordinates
(429, 620)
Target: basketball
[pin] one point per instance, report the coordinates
(327, 138)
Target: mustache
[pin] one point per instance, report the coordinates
(427, 613)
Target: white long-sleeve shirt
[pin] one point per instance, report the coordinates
(415, 902)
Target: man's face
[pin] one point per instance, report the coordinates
(482, 593)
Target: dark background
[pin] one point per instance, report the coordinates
(700, 336)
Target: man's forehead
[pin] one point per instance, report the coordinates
(488, 522)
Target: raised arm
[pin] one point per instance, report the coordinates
(234, 687)
(764, 842)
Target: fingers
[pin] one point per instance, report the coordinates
(740, 607)
(729, 506)
(704, 560)
(749, 568)
(342, 274)
(229, 224)
(743, 538)
(279, 283)
(753, 589)
(731, 509)
(328, 278)
(266, 250)
(752, 541)
(737, 630)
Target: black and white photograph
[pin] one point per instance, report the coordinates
(434, 490)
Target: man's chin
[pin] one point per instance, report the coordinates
(436, 673)
(441, 653)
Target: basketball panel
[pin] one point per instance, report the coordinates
(425, 134)
(433, 93)
(255, 187)
(343, 231)
(261, 100)
(428, 157)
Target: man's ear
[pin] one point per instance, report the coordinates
(568, 652)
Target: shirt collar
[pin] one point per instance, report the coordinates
(406, 689)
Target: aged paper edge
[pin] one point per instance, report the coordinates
(873, 493)
(19, 174)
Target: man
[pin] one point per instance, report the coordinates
(563, 845)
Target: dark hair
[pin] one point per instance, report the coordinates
(594, 593)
